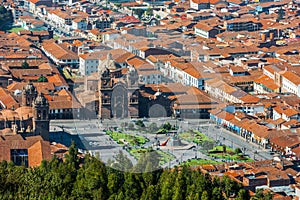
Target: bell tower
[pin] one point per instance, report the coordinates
(29, 93)
(105, 91)
(40, 108)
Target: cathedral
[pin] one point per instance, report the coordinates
(31, 118)
(118, 92)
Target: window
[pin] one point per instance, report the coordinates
(19, 156)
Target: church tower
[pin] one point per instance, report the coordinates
(40, 108)
(29, 93)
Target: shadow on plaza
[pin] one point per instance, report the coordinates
(66, 139)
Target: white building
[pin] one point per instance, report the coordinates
(60, 55)
(290, 83)
(88, 63)
(285, 113)
(149, 75)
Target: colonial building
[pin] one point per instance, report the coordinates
(30, 119)
(118, 95)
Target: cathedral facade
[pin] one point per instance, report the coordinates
(118, 92)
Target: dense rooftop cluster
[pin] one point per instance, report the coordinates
(235, 62)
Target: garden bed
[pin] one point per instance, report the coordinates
(164, 157)
(127, 139)
(195, 136)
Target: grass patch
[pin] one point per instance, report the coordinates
(124, 138)
(55, 37)
(229, 155)
(163, 157)
(16, 29)
(220, 149)
(195, 162)
(195, 136)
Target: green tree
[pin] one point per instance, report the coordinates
(243, 195)
(150, 193)
(122, 162)
(139, 12)
(179, 187)
(131, 186)
(261, 195)
(6, 19)
(42, 79)
(72, 156)
(205, 196)
(114, 182)
(149, 11)
(25, 65)
(224, 148)
(140, 123)
(167, 126)
(166, 184)
(238, 151)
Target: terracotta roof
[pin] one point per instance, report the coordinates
(294, 78)
(38, 149)
(205, 1)
(57, 80)
(58, 51)
(250, 99)
(203, 26)
(7, 100)
(286, 140)
(136, 62)
(287, 111)
(24, 112)
(267, 82)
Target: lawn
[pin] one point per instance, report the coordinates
(229, 155)
(164, 157)
(55, 37)
(195, 162)
(124, 138)
(16, 29)
(220, 148)
(195, 136)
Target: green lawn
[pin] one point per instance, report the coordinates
(217, 152)
(220, 148)
(55, 37)
(123, 138)
(195, 162)
(194, 136)
(16, 29)
(164, 157)
(235, 157)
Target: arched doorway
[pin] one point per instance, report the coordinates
(119, 103)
